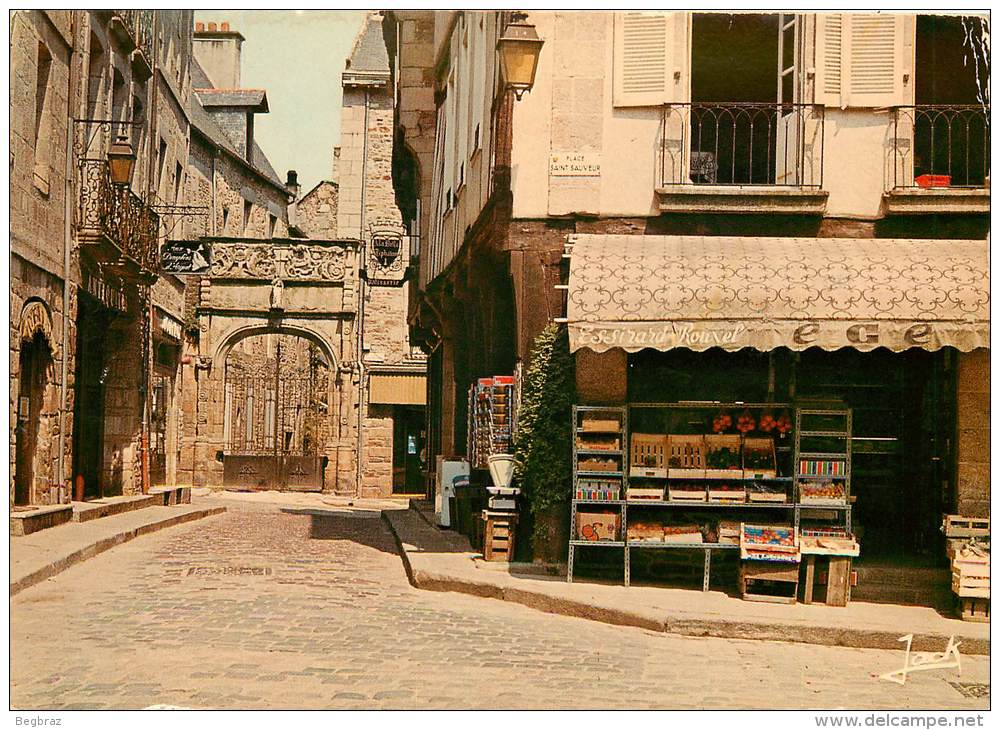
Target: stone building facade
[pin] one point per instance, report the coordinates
(584, 153)
(83, 295)
(359, 203)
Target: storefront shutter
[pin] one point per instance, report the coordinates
(650, 58)
(864, 59)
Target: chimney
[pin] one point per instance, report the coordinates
(293, 188)
(219, 52)
(292, 183)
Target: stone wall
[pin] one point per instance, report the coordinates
(973, 446)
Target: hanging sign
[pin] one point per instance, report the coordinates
(185, 257)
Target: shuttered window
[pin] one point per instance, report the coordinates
(864, 60)
(650, 58)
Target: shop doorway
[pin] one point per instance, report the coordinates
(162, 391)
(407, 450)
(92, 325)
(35, 368)
(904, 420)
(275, 404)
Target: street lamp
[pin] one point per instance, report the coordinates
(121, 160)
(519, 49)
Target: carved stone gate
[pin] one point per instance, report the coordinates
(275, 413)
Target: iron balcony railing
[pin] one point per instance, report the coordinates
(139, 23)
(708, 143)
(940, 145)
(116, 214)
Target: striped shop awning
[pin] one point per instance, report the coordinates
(699, 292)
(404, 389)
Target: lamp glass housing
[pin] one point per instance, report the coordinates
(121, 162)
(519, 49)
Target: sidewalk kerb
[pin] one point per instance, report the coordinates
(681, 624)
(104, 544)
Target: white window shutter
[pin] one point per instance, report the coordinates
(650, 58)
(864, 59)
(829, 43)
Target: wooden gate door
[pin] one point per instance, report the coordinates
(273, 422)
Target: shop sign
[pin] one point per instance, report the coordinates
(185, 257)
(167, 325)
(106, 294)
(695, 335)
(575, 164)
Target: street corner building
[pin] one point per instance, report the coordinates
(182, 315)
(767, 237)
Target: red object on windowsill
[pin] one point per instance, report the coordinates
(933, 181)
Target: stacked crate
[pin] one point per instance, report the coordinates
(968, 546)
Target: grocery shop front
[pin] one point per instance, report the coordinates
(857, 368)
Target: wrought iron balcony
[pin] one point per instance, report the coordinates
(940, 146)
(122, 230)
(135, 26)
(742, 144)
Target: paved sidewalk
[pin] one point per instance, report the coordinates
(43, 554)
(441, 560)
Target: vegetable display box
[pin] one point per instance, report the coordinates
(645, 493)
(598, 442)
(600, 424)
(645, 532)
(822, 492)
(693, 493)
(593, 464)
(649, 455)
(719, 493)
(722, 456)
(774, 543)
(766, 493)
(758, 458)
(684, 534)
(686, 458)
(598, 526)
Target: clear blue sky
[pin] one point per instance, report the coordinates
(297, 56)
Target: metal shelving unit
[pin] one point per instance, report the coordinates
(621, 414)
(844, 416)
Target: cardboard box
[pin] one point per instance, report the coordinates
(598, 526)
(686, 458)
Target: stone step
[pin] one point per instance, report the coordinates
(95, 509)
(26, 521)
(905, 585)
(167, 496)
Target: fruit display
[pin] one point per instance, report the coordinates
(822, 492)
(597, 526)
(722, 422)
(727, 494)
(784, 423)
(777, 543)
(687, 492)
(745, 423)
(598, 464)
(686, 459)
(767, 422)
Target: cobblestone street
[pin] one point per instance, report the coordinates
(296, 608)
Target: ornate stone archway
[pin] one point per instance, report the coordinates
(285, 288)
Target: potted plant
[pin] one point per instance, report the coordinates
(543, 443)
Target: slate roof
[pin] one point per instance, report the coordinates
(256, 98)
(369, 58)
(202, 119)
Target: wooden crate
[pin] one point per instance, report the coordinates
(763, 446)
(644, 493)
(717, 442)
(959, 526)
(598, 465)
(687, 493)
(734, 495)
(499, 529)
(649, 452)
(598, 442)
(975, 609)
(686, 457)
(600, 423)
